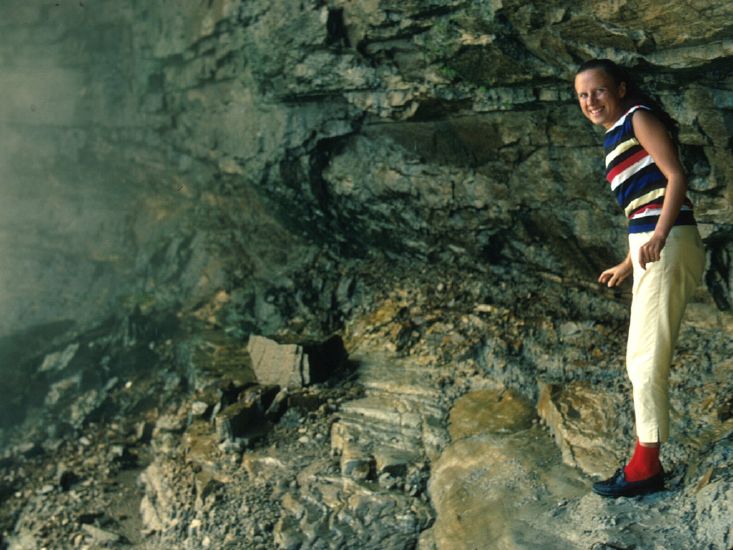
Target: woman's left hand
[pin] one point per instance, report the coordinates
(651, 251)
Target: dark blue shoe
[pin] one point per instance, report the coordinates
(617, 486)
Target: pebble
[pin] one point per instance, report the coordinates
(100, 535)
(198, 408)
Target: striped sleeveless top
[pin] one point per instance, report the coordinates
(636, 181)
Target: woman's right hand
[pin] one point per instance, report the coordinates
(616, 275)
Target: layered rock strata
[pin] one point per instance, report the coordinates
(411, 176)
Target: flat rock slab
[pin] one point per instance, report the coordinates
(489, 411)
(494, 491)
(513, 492)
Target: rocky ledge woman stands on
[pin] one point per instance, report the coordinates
(665, 256)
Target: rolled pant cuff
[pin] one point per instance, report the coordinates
(651, 435)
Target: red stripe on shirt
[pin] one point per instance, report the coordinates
(621, 166)
(650, 206)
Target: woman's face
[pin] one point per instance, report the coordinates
(601, 100)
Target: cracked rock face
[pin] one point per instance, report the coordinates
(411, 179)
(444, 131)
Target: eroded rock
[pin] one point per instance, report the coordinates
(272, 168)
(588, 424)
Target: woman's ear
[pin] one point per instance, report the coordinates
(622, 89)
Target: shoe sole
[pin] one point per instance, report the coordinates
(633, 493)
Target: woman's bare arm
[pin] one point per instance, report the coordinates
(653, 137)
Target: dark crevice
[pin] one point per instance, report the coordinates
(436, 109)
(718, 275)
(336, 29)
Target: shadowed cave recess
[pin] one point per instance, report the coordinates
(322, 274)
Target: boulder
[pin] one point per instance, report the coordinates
(499, 491)
(284, 365)
(590, 425)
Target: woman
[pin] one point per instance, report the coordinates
(666, 256)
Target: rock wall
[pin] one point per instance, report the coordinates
(446, 131)
(300, 168)
(138, 137)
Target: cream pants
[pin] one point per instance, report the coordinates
(660, 295)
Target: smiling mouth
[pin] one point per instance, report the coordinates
(595, 111)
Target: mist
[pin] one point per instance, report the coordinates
(87, 197)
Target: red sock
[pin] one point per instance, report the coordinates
(644, 463)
